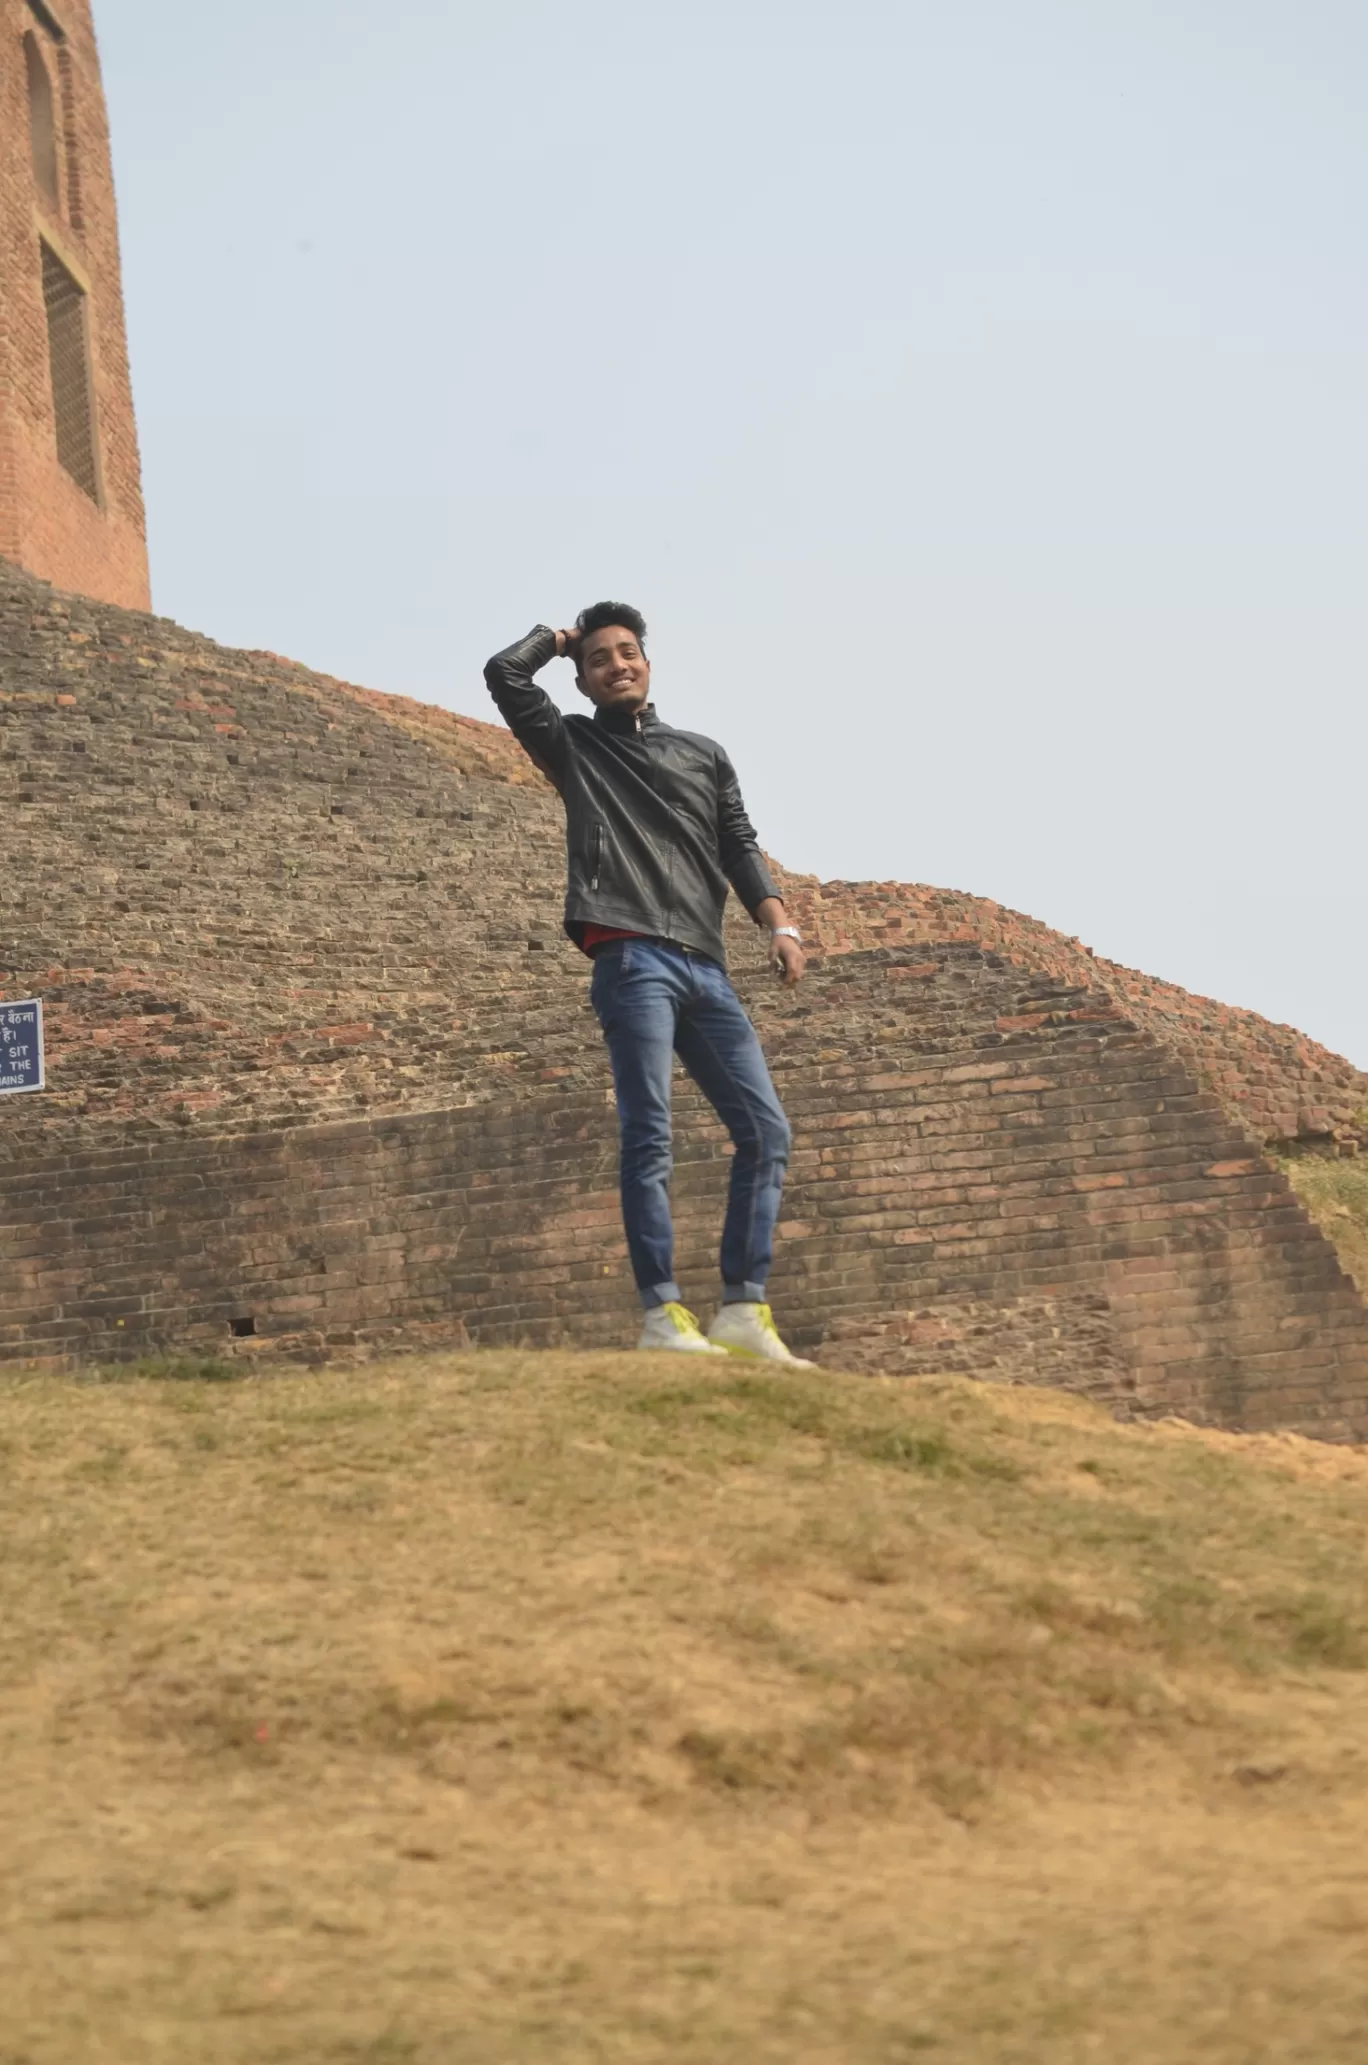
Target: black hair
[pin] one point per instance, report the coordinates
(600, 614)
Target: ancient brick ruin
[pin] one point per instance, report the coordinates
(324, 1076)
(70, 484)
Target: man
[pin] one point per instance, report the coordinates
(655, 831)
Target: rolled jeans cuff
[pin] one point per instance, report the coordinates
(655, 1294)
(743, 1294)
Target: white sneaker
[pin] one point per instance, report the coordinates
(750, 1330)
(674, 1326)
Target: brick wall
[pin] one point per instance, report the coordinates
(989, 1172)
(47, 522)
(320, 1056)
(1280, 1086)
(250, 893)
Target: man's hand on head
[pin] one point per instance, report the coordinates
(568, 645)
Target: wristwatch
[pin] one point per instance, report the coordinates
(787, 932)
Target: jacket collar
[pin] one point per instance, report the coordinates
(624, 722)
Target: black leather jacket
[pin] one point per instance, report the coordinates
(654, 823)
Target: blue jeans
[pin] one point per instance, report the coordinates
(655, 1001)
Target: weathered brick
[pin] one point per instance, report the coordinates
(458, 1170)
(90, 541)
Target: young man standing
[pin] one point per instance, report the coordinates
(655, 831)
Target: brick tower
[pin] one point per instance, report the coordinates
(71, 506)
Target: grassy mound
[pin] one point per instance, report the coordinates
(590, 1708)
(1335, 1193)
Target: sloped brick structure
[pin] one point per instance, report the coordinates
(71, 504)
(323, 1074)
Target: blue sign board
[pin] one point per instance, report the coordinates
(21, 1047)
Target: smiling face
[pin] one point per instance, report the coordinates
(613, 670)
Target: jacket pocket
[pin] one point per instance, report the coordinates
(596, 845)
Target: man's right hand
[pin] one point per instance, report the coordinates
(568, 645)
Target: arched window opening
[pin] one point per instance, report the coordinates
(73, 402)
(42, 122)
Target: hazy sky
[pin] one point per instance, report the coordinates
(971, 394)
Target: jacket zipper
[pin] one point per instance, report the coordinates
(598, 828)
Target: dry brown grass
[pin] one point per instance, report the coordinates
(583, 1708)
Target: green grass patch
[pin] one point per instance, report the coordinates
(166, 1369)
(1335, 1193)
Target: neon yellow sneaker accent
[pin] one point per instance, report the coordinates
(749, 1330)
(674, 1327)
